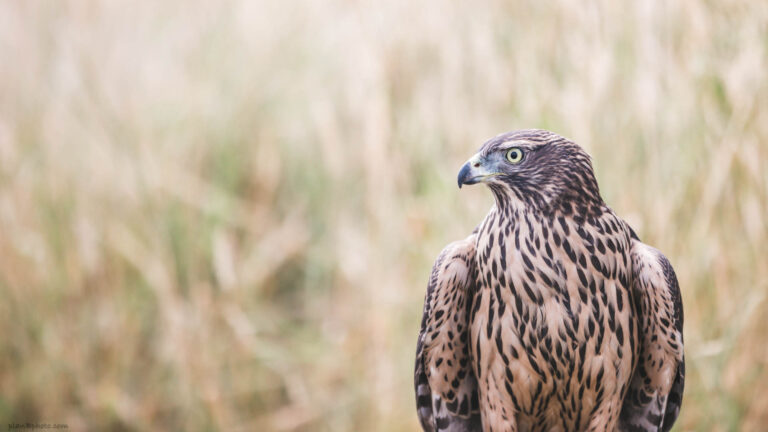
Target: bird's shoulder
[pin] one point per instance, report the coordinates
(453, 266)
(655, 279)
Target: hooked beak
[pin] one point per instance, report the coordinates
(474, 171)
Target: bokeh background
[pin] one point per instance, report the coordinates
(222, 215)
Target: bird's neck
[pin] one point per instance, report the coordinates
(546, 203)
(510, 204)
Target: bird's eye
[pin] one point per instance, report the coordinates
(514, 155)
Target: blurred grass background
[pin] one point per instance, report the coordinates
(222, 215)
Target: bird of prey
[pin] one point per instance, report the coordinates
(552, 315)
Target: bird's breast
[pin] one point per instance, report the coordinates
(552, 309)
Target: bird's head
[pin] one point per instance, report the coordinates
(534, 169)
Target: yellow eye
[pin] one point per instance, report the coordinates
(514, 155)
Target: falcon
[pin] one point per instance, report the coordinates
(551, 315)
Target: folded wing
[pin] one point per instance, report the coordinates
(653, 400)
(446, 388)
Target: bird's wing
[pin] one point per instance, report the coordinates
(655, 393)
(446, 388)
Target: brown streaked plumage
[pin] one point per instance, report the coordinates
(552, 315)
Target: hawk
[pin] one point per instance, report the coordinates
(552, 315)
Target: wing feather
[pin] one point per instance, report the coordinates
(446, 388)
(655, 393)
